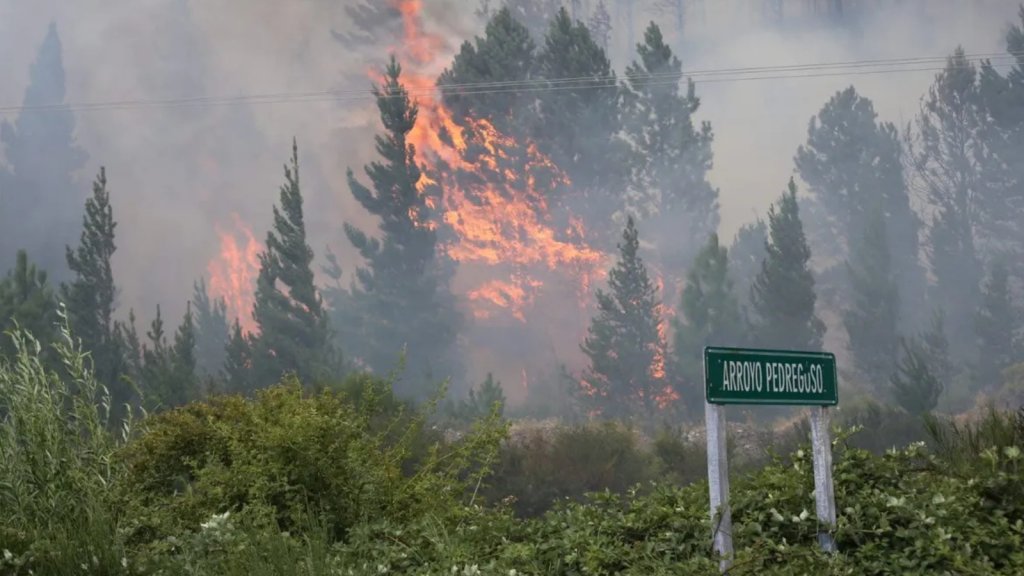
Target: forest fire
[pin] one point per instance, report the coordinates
(494, 202)
(233, 272)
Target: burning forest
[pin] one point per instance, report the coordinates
(529, 272)
(536, 204)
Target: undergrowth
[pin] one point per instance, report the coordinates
(348, 480)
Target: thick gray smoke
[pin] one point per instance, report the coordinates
(178, 172)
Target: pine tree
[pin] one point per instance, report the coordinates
(91, 295)
(168, 372)
(782, 296)
(157, 374)
(1003, 162)
(184, 359)
(504, 54)
(580, 127)
(238, 365)
(39, 200)
(915, 385)
(872, 317)
(853, 166)
(402, 297)
(623, 345)
(710, 317)
(946, 158)
(995, 326)
(212, 331)
(745, 257)
(600, 25)
(27, 301)
(128, 334)
(294, 336)
(673, 156)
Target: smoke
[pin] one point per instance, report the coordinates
(177, 173)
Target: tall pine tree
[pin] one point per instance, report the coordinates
(782, 297)
(672, 155)
(946, 157)
(853, 167)
(873, 314)
(623, 345)
(40, 202)
(91, 296)
(402, 297)
(710, 317)
(580, 127)
(1001, 97)
(294, 335)
(995, 326)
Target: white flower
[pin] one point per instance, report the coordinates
(8, 555)
(215, 521)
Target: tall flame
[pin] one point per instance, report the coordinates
(233, 272)
(494, 195)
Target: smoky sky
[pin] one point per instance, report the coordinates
(176, 173)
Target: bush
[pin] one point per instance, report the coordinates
(681, 460)
(56, 466)
(568, 462)
(296, 455)
(881, 428)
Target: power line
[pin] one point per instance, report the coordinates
(709, 76)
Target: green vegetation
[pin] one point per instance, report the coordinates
(340, 482)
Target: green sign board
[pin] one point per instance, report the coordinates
(738, 376)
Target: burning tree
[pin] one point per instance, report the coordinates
(626, 343)
(402, 297)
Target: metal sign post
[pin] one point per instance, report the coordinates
(768, 377)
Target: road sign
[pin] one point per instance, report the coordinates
(748, 376)
(744, 376)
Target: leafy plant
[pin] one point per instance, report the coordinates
(57, 462)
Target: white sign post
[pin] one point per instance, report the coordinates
(768, 377)
(824, 490)
(718, 482)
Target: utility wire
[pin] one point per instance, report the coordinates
(711, 76)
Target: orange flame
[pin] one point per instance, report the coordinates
(233, 272)
(494, 200)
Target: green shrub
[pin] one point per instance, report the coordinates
(292, 453)
(56, 464)
(682, 461)
(542, 468)
(880, 427)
